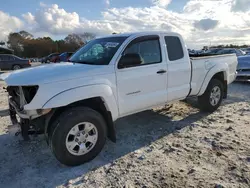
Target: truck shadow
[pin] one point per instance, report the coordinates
(32, 164)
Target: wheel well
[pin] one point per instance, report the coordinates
(96, 104)
(221, 76)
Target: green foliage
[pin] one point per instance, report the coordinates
(25, 45)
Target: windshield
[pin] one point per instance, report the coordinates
(98, 51)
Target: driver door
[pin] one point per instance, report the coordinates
(141, 86)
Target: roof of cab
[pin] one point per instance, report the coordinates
(140, 33)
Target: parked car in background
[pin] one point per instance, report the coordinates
(195, 52)
(33, 59)
(198, 53)
(247, 50)
(63, 57)
(212, 51)
(238, 52)
(243, 68)
(48, 58)
(4, 50)
(12, 62)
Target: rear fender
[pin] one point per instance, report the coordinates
(222, 67)
(85, 92)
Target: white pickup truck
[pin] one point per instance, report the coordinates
(76, 103)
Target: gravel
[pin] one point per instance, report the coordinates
(180, 147)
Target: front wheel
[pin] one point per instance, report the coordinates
(16, 67)
(77, 136)
(212, 98)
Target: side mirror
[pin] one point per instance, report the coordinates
(129, 60)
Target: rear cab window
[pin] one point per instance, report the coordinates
(174, 48)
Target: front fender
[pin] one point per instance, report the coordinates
(222, 67)
(85, 92)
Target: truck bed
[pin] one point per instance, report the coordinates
(203, 64)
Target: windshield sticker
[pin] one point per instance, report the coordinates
(111, 44)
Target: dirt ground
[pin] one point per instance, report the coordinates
(157, 148)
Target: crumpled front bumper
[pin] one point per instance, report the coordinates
(15, 128)
(24, 125)
(26, 114)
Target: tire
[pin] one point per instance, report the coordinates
(59, 135)
(209, 103)
(16, 67)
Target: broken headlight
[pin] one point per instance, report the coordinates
(22, 95)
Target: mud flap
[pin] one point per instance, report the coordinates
(111, 127)
(225, 90)
(22, 127)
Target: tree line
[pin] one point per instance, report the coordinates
(25, 45)
(226, 46)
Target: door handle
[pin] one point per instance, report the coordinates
(161, 71)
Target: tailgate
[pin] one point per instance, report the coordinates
(232, 65)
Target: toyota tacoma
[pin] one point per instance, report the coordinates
(76, 103)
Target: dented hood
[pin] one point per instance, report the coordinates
(51, 73)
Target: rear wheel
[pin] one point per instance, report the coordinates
(77, 136)
(212, 98)
(16, 67)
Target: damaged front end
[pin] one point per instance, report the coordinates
(19, 96)
(31, 121)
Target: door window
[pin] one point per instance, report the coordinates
(147, 49)
(174, 48)
(6, 58)
(11, 58)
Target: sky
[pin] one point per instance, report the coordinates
(200, 22)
